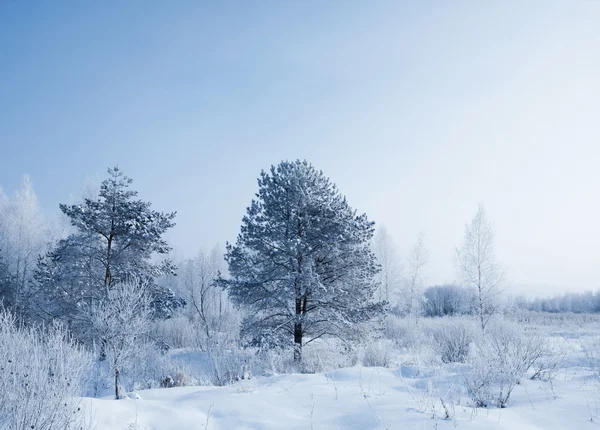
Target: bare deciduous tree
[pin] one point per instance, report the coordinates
(209, 304)
(24, 235)
(389, 277)
(120, 321)
(477, 266)
(417, 259)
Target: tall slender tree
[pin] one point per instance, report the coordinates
(477, 265)
(23, 237)
(302, 264)
(417, 259)
(390, 275)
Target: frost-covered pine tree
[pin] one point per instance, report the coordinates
(116, 236)
(302, 265)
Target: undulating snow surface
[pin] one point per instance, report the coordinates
(354, 398)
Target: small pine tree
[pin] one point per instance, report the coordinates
(116, 237)
(302, 264)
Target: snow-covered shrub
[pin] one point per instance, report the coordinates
(185, 331)
(225, 367)
(153, 368)
(404, 332)
(41, 372)
(396, 328)
(452, 339)
(554, 353)
(377, 353)
(325, 354)
(177, 332)
(411, 340)
(501, 359)
(271, 361)
(591, 349)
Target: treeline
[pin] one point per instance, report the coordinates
(579, 303)
(452, 299)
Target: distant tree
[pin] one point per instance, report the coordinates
(417, 259)
(390, 275)
(4, 281)
(477, 266)
(116, 237)
(585, 302)
(207, 302)
(23, 238)
(448, 299)
(120, 321)
(302, 264)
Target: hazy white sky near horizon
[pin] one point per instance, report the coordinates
(417, 110)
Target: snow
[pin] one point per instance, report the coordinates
(352, 398)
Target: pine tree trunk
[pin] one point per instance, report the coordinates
(297, 342)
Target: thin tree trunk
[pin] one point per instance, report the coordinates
(298, 342)
(116, 384)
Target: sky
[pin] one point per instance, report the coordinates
(418, 111)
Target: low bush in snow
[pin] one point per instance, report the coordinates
(41, 372)
(377, 353)
(227, 367)
(452, 339)
(153, 368)
(501, 359)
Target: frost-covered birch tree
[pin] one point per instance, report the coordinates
(24, 235)
(477, 266)
(208, 305)
(416, 261)
(390, 275)
(302, 264)
(120, 321)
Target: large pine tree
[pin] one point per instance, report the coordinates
(115, 238)
(302, 264)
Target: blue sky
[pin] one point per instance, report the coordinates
(417, 110)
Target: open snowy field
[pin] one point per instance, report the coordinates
(402, 396)
(353, 398)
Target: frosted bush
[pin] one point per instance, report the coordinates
(411, 341)
(398, 330)
(178, 332)
(326, 354)
(452, 340)
(154, 368)
(225, 367)
(591, 349)
(41, 373)
(501, 358)
(552, 356)
(377, 353)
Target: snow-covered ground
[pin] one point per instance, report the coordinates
(413, 392)
(354, 398)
